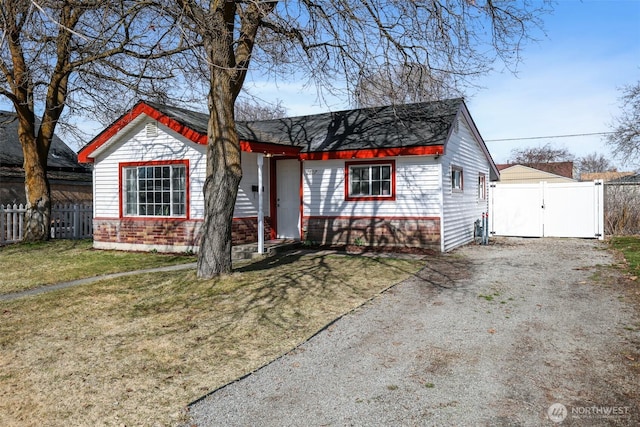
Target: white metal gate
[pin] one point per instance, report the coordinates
(572, 209)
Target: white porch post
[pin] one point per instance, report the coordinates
(260, 206)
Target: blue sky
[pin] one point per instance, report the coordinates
(567, 83)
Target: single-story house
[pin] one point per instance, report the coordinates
(534, 173)
(408, 175)
(70, 181)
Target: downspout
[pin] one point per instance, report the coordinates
(441, 205)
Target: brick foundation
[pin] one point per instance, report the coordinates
(398, 232)
(245, 230)
(167, 235)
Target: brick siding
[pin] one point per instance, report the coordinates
(409, 232)
(170, 232)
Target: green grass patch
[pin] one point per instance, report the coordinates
(30, 265)
(490, 297)
(630, 248)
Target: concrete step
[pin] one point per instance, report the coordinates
(250, 251)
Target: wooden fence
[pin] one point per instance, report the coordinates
(70, 221)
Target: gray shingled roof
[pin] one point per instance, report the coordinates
(412, 125)
(61, 157)
(631, 179)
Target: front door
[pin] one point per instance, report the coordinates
(288, 199)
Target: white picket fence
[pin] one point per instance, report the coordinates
(71, 221)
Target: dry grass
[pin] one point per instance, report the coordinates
(136, 350)
(29, 265)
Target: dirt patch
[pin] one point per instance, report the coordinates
(375, 250)
(520, 332)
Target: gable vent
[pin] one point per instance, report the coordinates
(151, 129)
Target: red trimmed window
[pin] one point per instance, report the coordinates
(156, 189)
(370, 180)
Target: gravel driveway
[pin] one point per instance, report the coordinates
(523, 332)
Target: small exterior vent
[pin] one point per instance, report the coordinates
(151, 129)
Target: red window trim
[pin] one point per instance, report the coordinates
(122, 166)
(347, 181)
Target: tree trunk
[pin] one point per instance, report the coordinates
(221, 185)
(38, 215)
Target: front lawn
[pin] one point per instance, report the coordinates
(136, 350)
(29, 265)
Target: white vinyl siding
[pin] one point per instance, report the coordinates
(462, 208)
(134, 145)
(418, 191)
(247, 199)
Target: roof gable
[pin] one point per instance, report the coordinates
(190, 124)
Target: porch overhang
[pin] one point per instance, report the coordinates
(269, 149)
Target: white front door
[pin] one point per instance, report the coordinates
(288, 199)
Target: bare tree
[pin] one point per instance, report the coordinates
(247, 110)
(60, 53)
(332, 43)
(625, 138)
(537, 155)
(403, 84)
(594, 162)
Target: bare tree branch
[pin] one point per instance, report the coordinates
(625, 138)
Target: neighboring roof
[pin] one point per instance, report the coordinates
(630, 179)
(557, 168)
(421, 128)
(519, 174)
(79, 176)
(61, 157)
(605, 176)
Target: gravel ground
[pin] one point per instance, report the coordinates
(487, 335)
